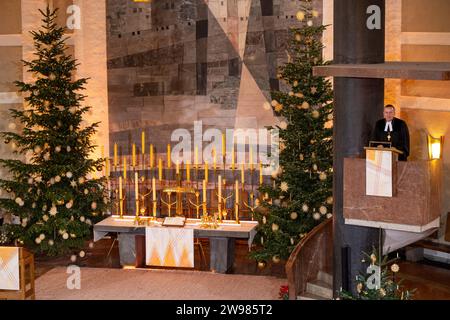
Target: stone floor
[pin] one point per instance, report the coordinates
(432, 282)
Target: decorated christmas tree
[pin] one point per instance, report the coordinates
(52, 186)
(379, 283)
(301, 194)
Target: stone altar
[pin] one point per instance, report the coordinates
(222, 239)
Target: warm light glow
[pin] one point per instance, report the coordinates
(435, 147)
(436, 150)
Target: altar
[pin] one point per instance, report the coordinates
(222, 238)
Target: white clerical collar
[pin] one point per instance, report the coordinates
(388, 127)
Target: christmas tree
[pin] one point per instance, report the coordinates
(53, 190)
(301, 195)
(379, 283)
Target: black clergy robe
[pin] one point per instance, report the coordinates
(399, 136)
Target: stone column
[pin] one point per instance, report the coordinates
(358, 105)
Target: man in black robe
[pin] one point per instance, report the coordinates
(393, 130)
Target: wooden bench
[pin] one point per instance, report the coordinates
(26, 274)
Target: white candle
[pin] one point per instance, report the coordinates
(136, 186)
(120, 197)
(204, 190)
(220, 189)
(237, 192)
(120, 188)
(154, 188)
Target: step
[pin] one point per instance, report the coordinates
(320, 288)
(325, 277)
(309, 296)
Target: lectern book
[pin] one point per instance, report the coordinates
(174, 222)
(381, 171)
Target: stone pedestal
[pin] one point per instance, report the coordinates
(127, 249)
(222, 254)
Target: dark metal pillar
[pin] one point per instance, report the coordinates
(358, 105)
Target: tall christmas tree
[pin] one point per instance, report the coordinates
(301, 194)
(54, 190)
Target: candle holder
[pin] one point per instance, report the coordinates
(169, 204)
(205, 211)
(137, 218)
(196, 205)
(121, 201)
(251, 205)
(154, 202)
(222, 200)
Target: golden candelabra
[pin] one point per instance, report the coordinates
(251, 205)
(165, 182)
(196, 205)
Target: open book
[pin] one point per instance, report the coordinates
(174, 222)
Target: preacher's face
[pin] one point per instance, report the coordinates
(389, 114)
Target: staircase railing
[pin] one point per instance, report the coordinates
(314, 253)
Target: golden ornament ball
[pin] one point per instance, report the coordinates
(261, 265)
(275, 227)
(315, 114)
(276, 259)
(300, 15)
(294, 215)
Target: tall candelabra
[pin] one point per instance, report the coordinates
(152, 182)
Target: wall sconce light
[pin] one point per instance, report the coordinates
(435, 147)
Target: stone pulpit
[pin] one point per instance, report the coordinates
(381, 192)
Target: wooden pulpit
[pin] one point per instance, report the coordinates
(381, 171)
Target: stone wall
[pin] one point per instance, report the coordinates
(171, 63)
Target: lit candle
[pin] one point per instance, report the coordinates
(242, 174)
(260, 173)
(120, 188)
(120, 197)
(220, 189)
(206, 171)
(224, 145)
(204, 190)
(177, 170)
(236, 205)
(188, 171)
(196, 156)
(151, 156)
(214, 158)
(124, 167)
(133, 155)
(143, 142)
(160, 169)
(154, 188)
(115, 155)
(107, 171)
(136, 185)
(169, 162)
